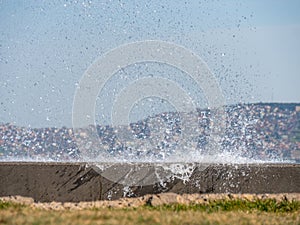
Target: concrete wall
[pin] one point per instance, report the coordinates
(76, 182)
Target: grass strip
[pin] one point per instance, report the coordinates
(263, 205)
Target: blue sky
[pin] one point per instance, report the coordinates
(252, 47)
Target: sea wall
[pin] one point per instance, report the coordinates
(74, 182)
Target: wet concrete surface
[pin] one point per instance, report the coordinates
(74, 182)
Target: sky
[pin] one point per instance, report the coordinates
(251, 47)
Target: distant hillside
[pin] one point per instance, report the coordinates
(258, 130)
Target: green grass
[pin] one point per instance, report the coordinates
(234, 211)
(10, 205)
(267, 205)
